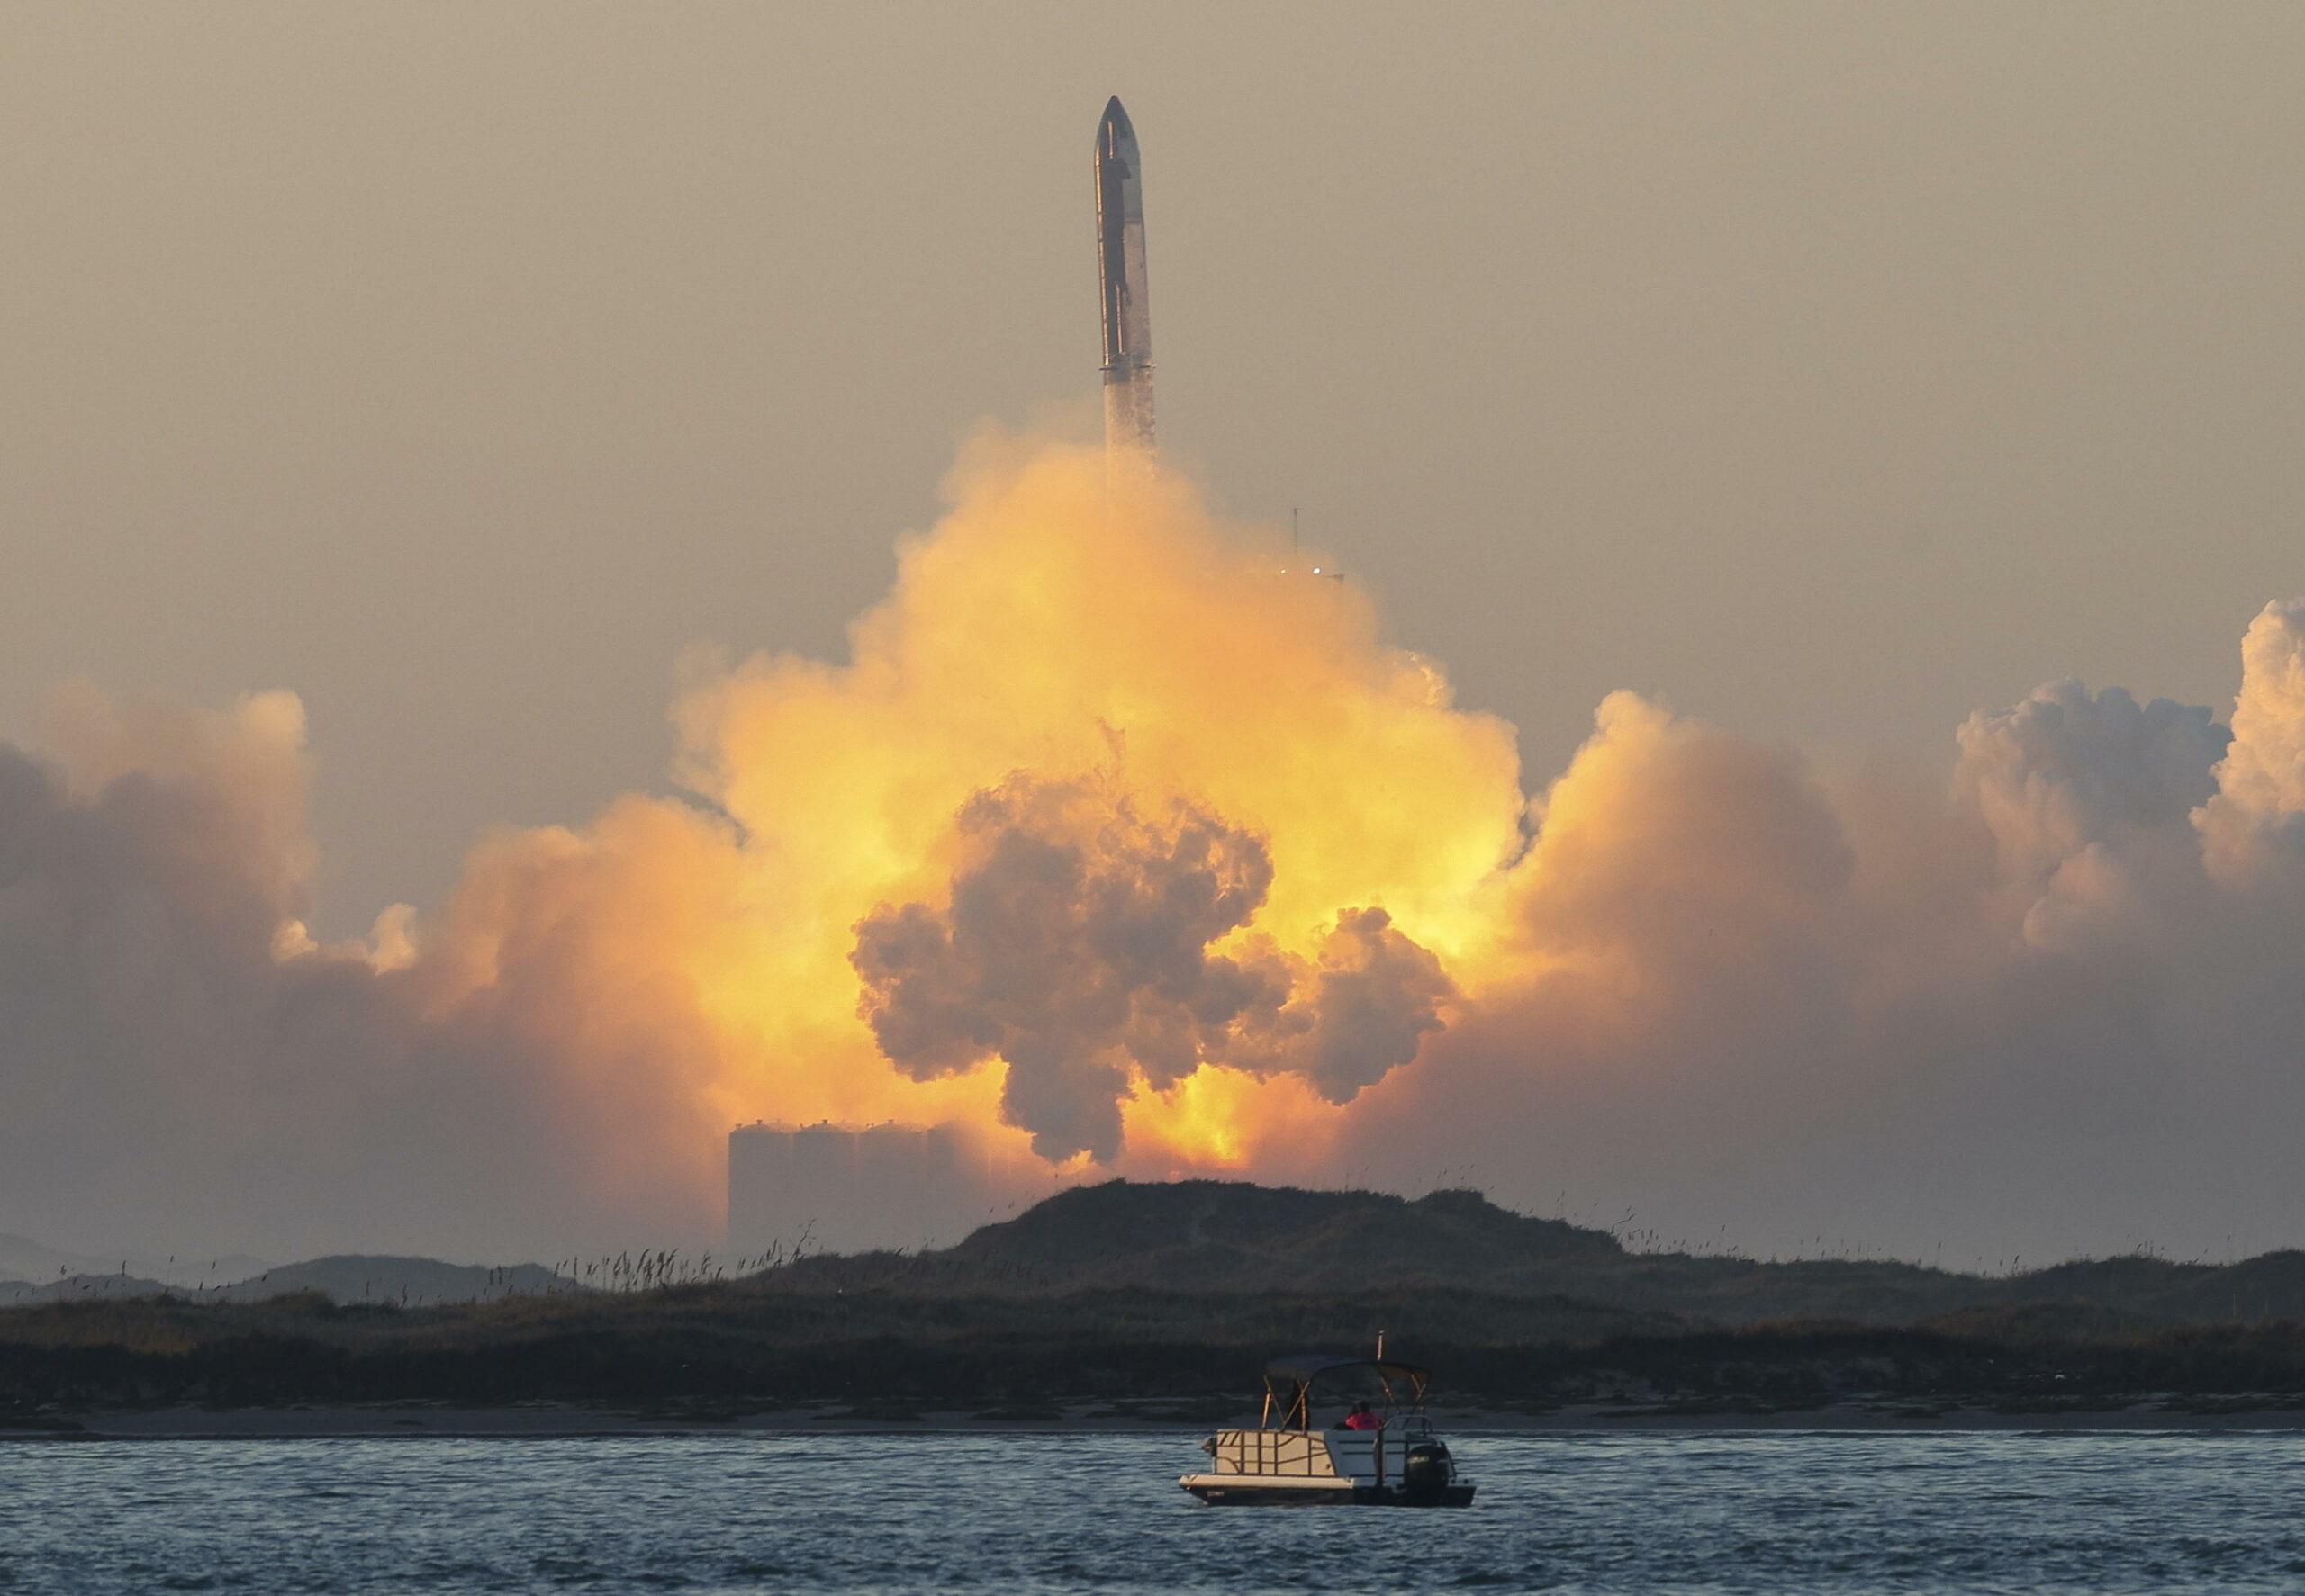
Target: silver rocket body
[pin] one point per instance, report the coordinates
(1127, 295)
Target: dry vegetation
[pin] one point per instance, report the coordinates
(1181, 1292)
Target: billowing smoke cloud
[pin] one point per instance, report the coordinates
(1076, 945)
(2057, 1004)
(2251, 826)
(550, 1058)
(1126, 851)
(179, 1062)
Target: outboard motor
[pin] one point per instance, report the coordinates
(1427, 1473)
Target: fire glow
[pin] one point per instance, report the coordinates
(1109, 834)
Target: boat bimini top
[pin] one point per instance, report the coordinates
(1289, 1384)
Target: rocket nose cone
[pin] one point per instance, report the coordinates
(1115, 119)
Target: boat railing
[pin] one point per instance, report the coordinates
(1271, 1452)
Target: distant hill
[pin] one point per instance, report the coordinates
(1202, 1235)
(23, 1259)
(73, 1288)
(407, 1282)
(1196, 1241)
(1179, 1292)
(402, 1282)
(1209, 1237)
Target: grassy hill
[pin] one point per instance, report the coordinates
(1212, 1235)
(1215, 1237)
(1179, 1293)
(401, 1282)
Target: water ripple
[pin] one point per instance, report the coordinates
(1050, 1514)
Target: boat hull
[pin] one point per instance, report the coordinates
(1238, 1490)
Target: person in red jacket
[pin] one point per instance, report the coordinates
(1361, 1417)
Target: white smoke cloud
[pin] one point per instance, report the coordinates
(2253, 828)
(2084, 795)
(180, 1065)
(2061, 1007)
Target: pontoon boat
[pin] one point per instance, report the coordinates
(1396, 1462)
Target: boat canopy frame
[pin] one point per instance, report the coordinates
(1289, 1385)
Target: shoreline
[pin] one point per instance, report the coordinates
(540, 1421)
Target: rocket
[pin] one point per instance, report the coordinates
(1127, 295)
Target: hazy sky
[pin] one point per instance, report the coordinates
(1826, 371)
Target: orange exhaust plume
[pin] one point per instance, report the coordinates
(1250, 850)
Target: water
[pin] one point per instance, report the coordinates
(1003, 1514)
